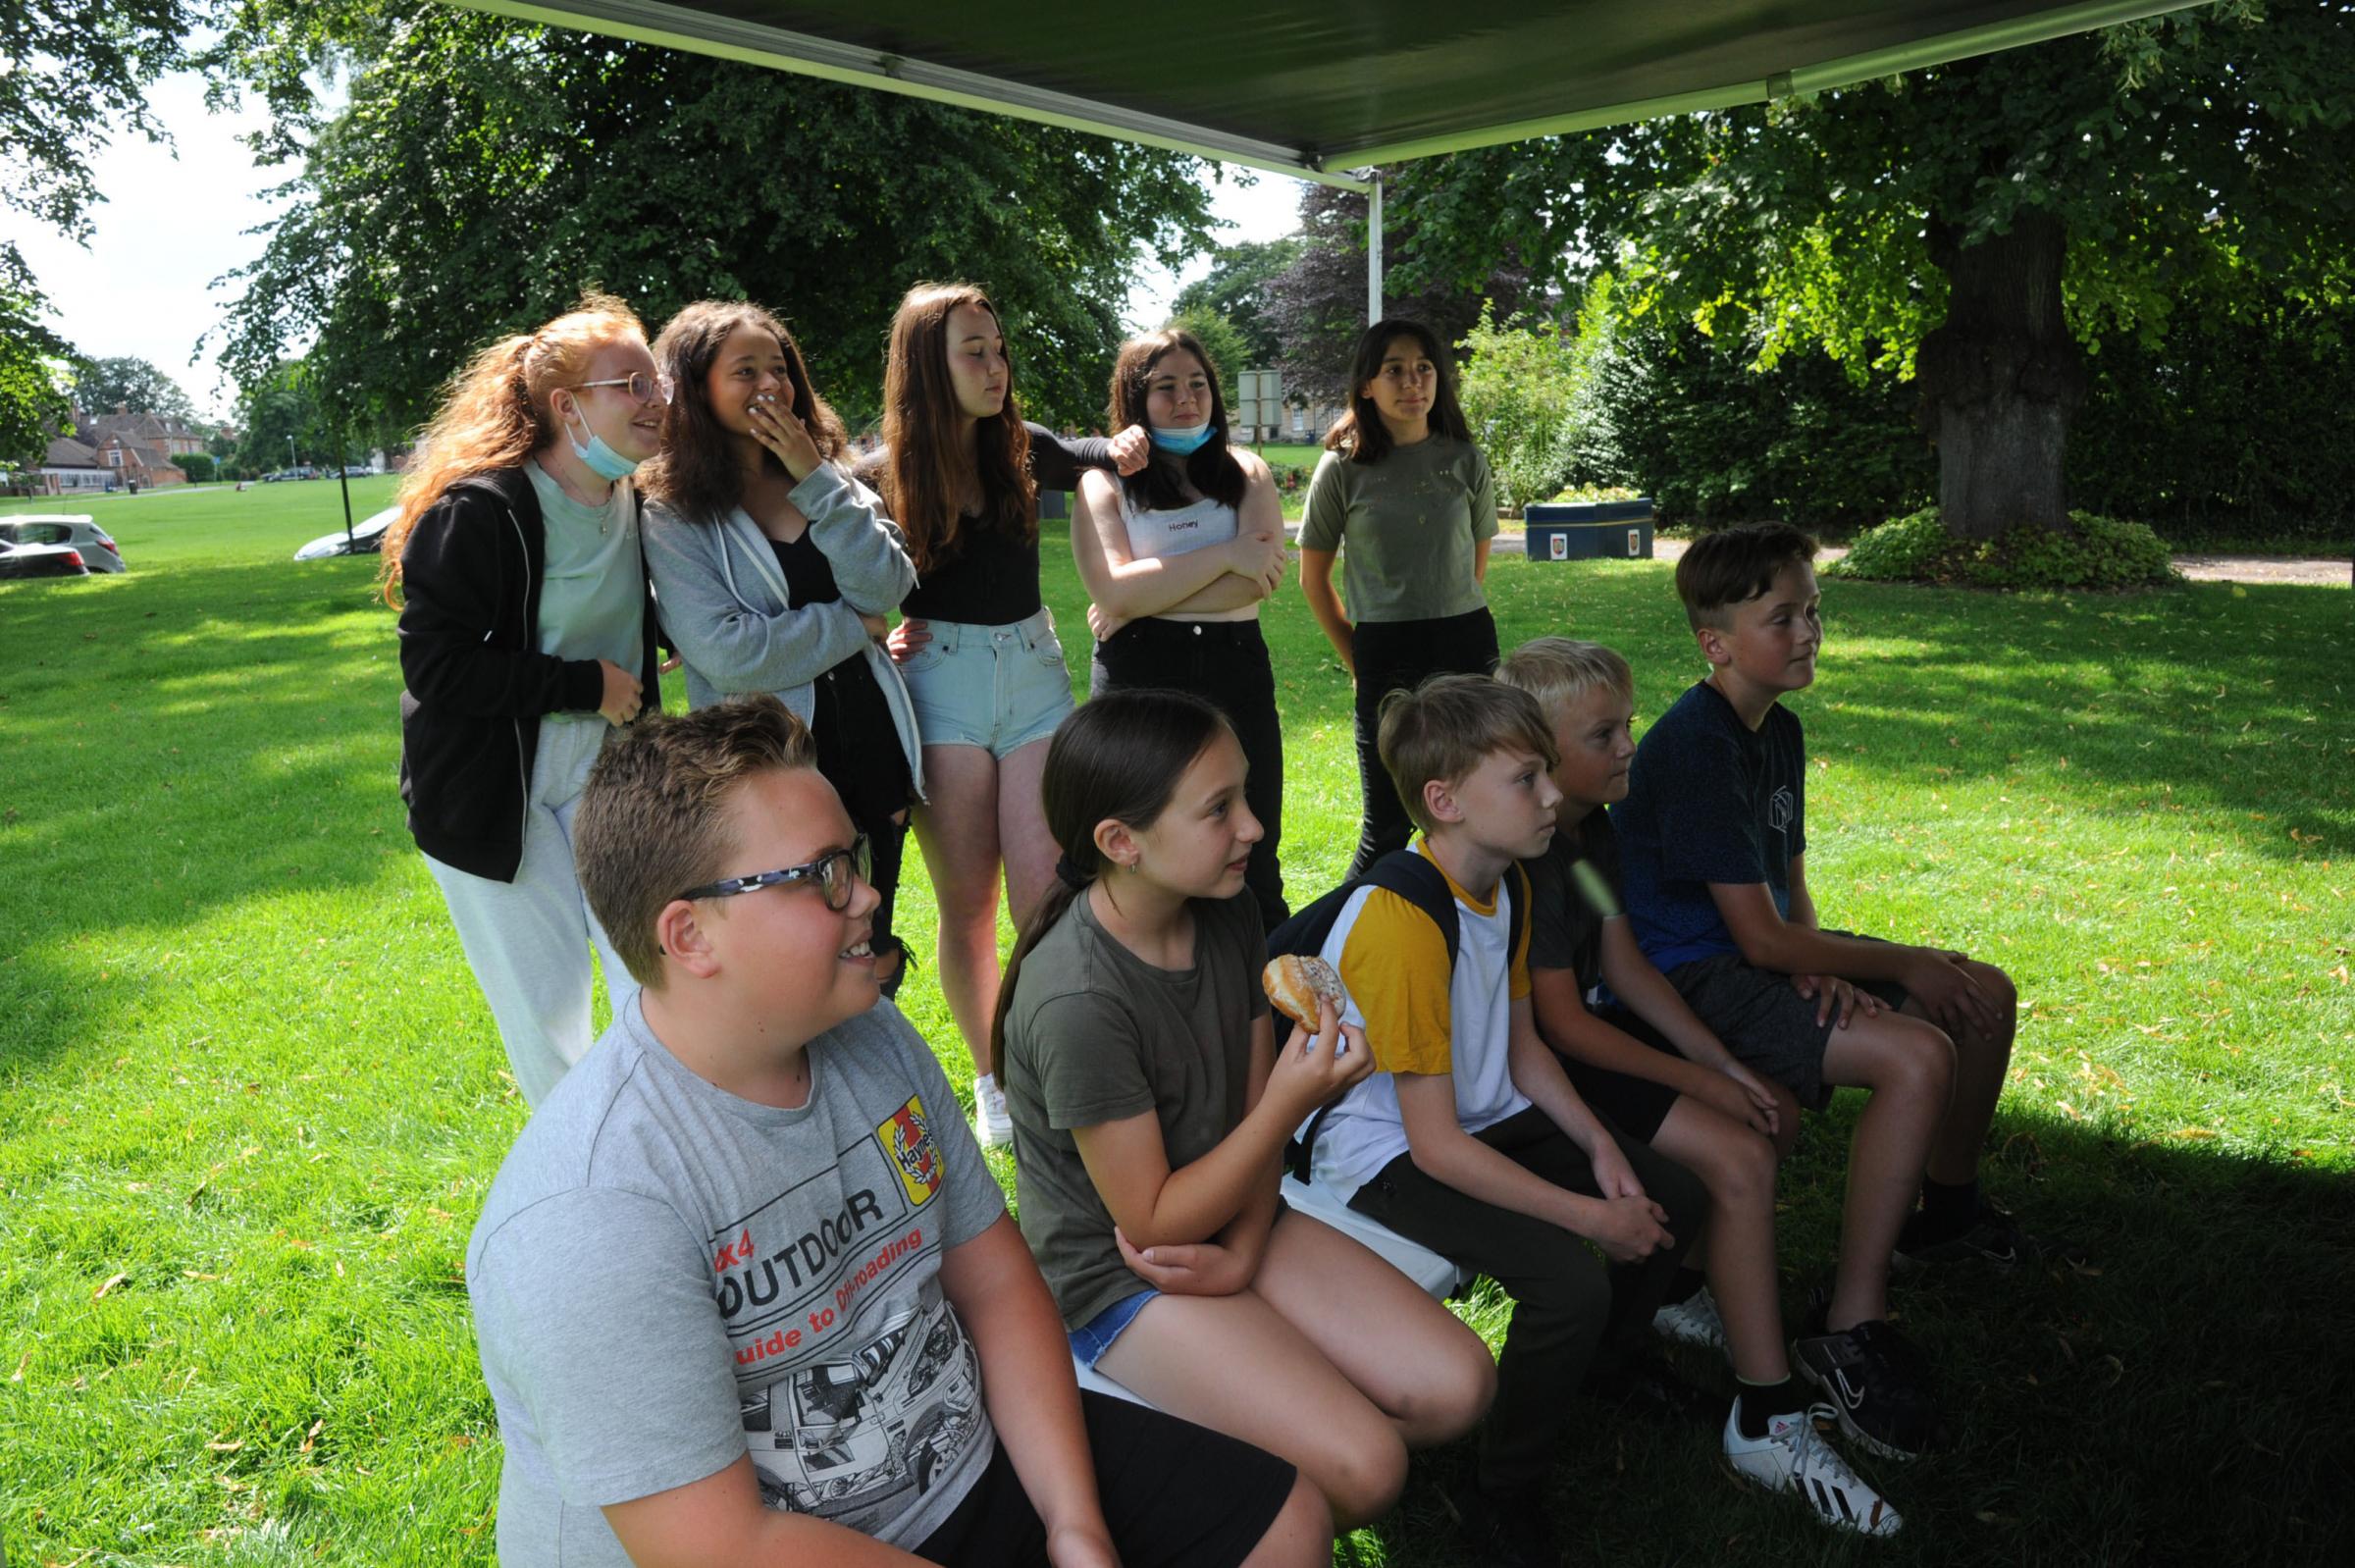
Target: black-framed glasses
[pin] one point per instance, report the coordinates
(643, 387)
(832, 871)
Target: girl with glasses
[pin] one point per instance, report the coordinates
(775, 569)
(1177, 560)
(1403, 484)
(526, 634)
(961, 473)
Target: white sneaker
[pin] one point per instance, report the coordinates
(1693, 1321)
(1794, 1456)
(993, 1123)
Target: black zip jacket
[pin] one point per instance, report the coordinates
(475, 681)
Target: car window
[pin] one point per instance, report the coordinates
(45, 532)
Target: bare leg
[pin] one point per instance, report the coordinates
(1982, 1056)
(1737, 1167)
(1234, 1365)
(958, 830)
(1413, 1358)
(1027, 848)
(1301, 1536)
(1909, 1067)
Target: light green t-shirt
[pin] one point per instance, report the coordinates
(1405, 527)
(592, 585)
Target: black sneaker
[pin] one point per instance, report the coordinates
(1510, 1531)
(1993, 1238)
(1646, 1385)
(1876, 1382)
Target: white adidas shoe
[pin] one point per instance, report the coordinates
(1693, 1321)
(1795, 1456)
(993, 1123)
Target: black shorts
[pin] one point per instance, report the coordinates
(1173, 1493)
(1637, 1105)
(1765, 1023)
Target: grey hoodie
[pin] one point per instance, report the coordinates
(723, 598)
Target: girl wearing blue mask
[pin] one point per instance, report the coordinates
(526, 634)
(1177, 560)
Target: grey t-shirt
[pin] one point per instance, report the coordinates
(592, 583)
(1096, 1034)
(1405, 527)
(666, 1275)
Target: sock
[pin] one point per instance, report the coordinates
(1946, 1211)
(983, 1083)
(1684, 1285)
(1761, 1401)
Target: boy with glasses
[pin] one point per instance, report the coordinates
(743, 1290)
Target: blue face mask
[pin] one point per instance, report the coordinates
(602, 460)
(1183, 440)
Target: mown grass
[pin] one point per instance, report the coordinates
(251, 1100)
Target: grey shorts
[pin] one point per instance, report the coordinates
(998, 687)
(1765, 1023)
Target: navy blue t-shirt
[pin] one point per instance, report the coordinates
(1708, 800)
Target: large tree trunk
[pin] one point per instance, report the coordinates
(2001, 378)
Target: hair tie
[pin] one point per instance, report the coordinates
(1068, 873)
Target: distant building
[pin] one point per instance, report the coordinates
(70, 468)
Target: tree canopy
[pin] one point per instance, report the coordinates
(1973, 225)
(1234, 287)
(101, 386)
(486, 169)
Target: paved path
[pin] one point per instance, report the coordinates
(2312, 571)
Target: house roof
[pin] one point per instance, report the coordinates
(1318, 89)
(65, 453)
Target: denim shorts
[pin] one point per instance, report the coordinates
(1000, 687)
(1093, 1337)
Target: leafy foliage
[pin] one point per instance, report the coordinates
(2093, 552)
(101, 386)
(200, 467)
(486, 169)
(1234, 287)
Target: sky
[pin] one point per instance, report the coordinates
(175, 219)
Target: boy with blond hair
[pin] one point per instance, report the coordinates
(1468, 1137)
(745, 1292)
(1713, 842)
(1639, 1056)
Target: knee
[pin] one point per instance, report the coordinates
(1921, 1067)
(1361, 1471)
(1458, 1392)
(1744, 1177)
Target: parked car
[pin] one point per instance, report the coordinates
(367, 538)
(41, 561)
(357, 470)
(99, 552)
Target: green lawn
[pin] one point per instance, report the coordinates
(251, 1100)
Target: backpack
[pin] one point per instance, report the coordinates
(1414, 878)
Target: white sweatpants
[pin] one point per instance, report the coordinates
(528, 940)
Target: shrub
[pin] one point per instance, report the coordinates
(196, 465)
(2096, 553)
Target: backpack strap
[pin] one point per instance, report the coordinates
(1414, 878)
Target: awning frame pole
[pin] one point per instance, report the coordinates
(1374, 250)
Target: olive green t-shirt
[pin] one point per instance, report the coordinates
(1096, 1034)
(1405, 527)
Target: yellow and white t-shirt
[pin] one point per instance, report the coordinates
(1419, 1017)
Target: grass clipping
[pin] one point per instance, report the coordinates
(2094, 552)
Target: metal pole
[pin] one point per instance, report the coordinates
(1374, 251)
(344, 479)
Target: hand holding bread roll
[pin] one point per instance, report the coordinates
(1297, 980)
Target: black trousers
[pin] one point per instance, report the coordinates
(1567, 1303)
(1225, 664)
(1394, 657)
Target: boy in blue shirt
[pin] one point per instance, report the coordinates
(1712, 838)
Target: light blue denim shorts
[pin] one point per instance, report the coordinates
(1000, 687)
(1093, 1337)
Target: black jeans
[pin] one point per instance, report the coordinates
(1566, 1302)
(1225, 663)
(1392, 657)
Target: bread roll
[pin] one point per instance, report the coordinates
(1297, 980)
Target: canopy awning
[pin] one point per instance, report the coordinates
(1319, 89)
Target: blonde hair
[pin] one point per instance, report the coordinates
(1556, 669)
(1448, 725)
(495, 412)
(653, 815)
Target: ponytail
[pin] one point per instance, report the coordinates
(1118, 759)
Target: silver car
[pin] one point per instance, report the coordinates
(76, 531)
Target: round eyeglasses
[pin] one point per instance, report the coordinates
(834, 872)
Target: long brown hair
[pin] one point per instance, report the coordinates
(1211, 468)
(923, 474)
(496, 411)
(1359, 434)
(696, 472)
(1120, 756)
